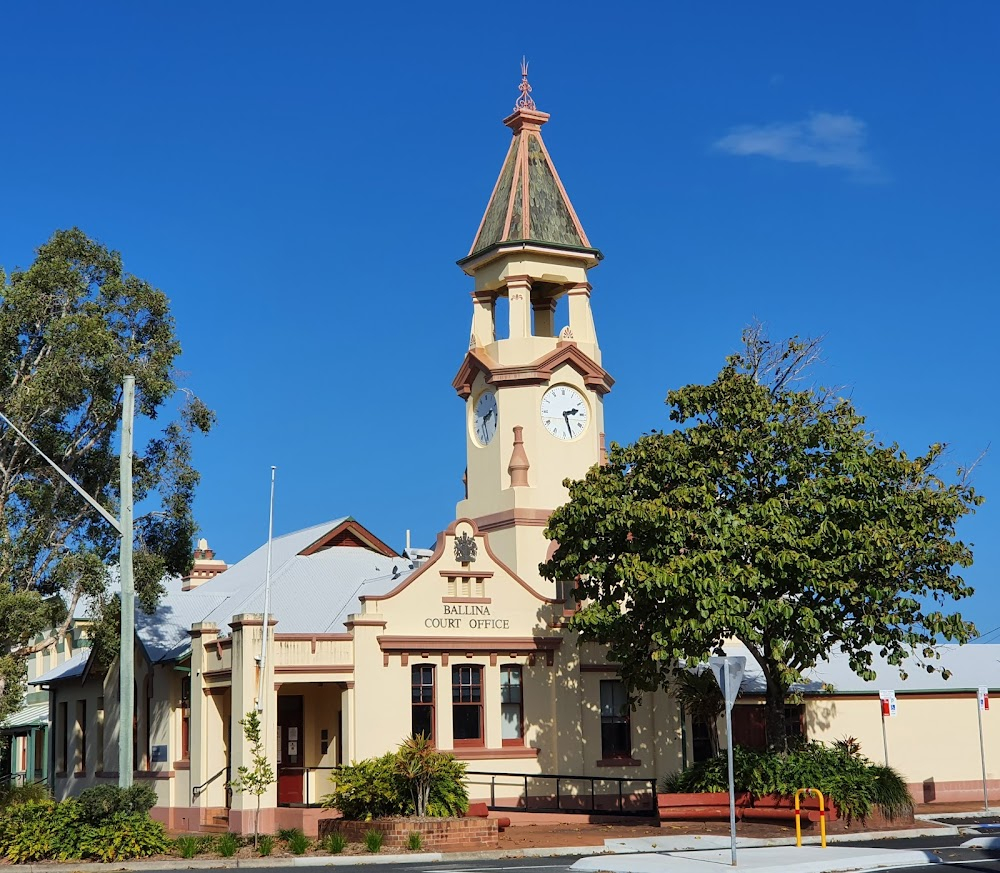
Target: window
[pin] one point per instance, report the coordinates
(185, 707)
(100, 734)
(467, 705)
(511, 707)
(422, 700)
(616, 728)
(795, 718)
(81, 734)
(63, 728)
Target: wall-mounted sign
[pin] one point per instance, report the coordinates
(888, 702)
(984, 698)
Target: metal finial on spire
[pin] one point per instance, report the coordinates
(524, 101)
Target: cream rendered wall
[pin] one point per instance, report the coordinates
(932, 737)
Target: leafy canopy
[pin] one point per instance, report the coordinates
(769, 515)
(72, 325)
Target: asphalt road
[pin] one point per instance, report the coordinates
(948, 849)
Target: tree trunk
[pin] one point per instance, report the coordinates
(775, 706)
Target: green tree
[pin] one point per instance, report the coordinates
(72, 325)
(769, 516)
(256, 778)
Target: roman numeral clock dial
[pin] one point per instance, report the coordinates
(484, 418)
(565, 413)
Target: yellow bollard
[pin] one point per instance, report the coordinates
(798, 816)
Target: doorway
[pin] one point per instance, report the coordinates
(291, 750)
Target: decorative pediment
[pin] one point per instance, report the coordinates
(349, 533)
(538, 372)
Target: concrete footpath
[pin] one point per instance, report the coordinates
(765, 859)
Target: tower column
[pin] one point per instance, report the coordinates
(483, 319)
(581, 319)
(519, 298)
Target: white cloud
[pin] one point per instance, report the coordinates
(825, 139)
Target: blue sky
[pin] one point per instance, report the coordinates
(301, 177)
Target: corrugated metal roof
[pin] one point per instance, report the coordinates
(71, 668)
(33, 715)
(970, 666)
(310, 593)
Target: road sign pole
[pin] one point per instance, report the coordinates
(885, 739)
(732, 788)
(729, 674)
(982, 747)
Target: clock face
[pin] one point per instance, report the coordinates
(564, 412)
(484, 418)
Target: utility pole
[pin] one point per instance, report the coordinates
(124, 527)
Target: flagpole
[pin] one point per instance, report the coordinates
(267, 609)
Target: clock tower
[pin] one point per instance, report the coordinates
(532, 380)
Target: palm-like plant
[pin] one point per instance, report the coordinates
(698, 693)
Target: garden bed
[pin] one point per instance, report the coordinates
(436, 834)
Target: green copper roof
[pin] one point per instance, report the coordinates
(529, 203)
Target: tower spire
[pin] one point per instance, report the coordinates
(529, 203)
(524, 101)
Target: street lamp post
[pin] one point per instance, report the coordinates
(124, 527)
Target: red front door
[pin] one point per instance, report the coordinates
(291, 750)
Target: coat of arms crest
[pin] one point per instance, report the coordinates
(465, 549)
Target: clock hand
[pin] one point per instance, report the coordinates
(569, 430)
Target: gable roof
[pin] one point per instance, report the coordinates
(317, 575)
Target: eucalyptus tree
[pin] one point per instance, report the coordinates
(72, 325)
(770, 516)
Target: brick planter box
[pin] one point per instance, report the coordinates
(437, 833)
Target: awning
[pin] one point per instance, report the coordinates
(33, 715)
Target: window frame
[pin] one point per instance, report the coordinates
(421, 669)
(185, 708)
(62, 722)
(506, 669)
(625, 718)
(456, 705)
(81, 736)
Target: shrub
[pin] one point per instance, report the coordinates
(46, 830)
(227, 845)
(265, 845)
(844, 776)
(373, 841)
(99, 803)
(369, 789)
(392, 784)
(288, 834)
(335, 843)
(299, 843)
(33, 791)
(414, 841)
(187, 847)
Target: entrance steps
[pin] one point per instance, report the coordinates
(215, 821)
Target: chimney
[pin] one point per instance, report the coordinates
(205, 566)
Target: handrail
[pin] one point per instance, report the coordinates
(198, 790)
(619, 807)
